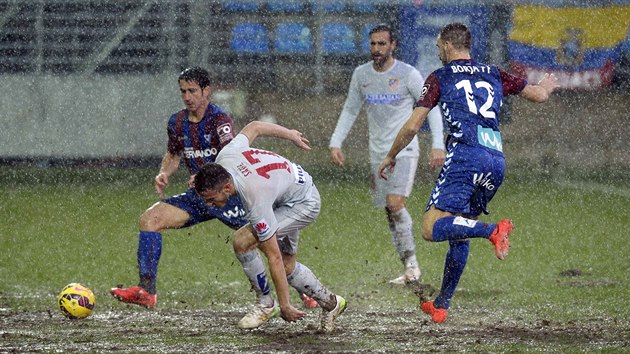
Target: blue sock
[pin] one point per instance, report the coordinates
(454, 265)
(459, 228)
(149, 252)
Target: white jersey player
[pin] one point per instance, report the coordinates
(279, 199)
(388, 88)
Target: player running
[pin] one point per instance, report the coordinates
(387, 88)
(469, 94)
(280, 199)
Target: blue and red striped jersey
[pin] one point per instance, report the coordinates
(199, 143)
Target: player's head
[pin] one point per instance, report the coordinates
(194, 85)
(382, 44)
(196, 74)
(214, 184)
(454, 36)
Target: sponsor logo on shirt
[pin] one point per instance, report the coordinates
(298, 172)
(489, 138)
(190, 153)
(234, 213)
(261, 227)
(382, 98)
(483, 180)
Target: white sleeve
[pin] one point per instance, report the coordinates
(415, 83)
(261, 215)
(437, 128)
(349, 113)
(435, 116)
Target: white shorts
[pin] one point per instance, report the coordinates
(400, 181)
(293, 219)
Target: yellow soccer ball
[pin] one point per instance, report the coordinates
(76, 301)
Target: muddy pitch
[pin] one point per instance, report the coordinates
(129, 329)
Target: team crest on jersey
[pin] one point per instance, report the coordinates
(393, 83)
(261, 227)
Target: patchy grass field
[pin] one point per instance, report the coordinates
(564, 287)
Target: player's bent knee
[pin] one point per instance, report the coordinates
(394, 204)
(161, 216)
(150, 221)
(427, 230)
(243, 240)
(289, 263)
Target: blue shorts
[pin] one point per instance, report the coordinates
(232, 215)
(469, 179)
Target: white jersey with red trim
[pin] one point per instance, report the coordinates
(264, 181)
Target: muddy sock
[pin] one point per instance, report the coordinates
(149, 252)
(305, 282)
(255, 271)
(401, 228)
(456, 259)
(459, 228)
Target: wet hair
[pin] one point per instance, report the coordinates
(383, 27)
(457, 34)
(211, 177)
(196, 74)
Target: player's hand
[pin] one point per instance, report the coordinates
(549, 82)
(436, 159)
(161, 181)
(191, 181)
(291, 314)
(386, 167)
(337, 156)
(299, 140)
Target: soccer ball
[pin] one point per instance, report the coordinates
(76, 301)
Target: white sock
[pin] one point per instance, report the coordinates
(401, 227)
(255, 271)
(305, 282)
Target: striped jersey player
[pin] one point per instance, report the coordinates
(196, 134)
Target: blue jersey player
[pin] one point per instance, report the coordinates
(196, 134)
(469, 94)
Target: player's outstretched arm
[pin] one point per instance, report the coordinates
(257, 128)
(541, 91)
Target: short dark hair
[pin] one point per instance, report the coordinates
(383, 27)
(196, 74)
(211, 177)
(457, 34)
